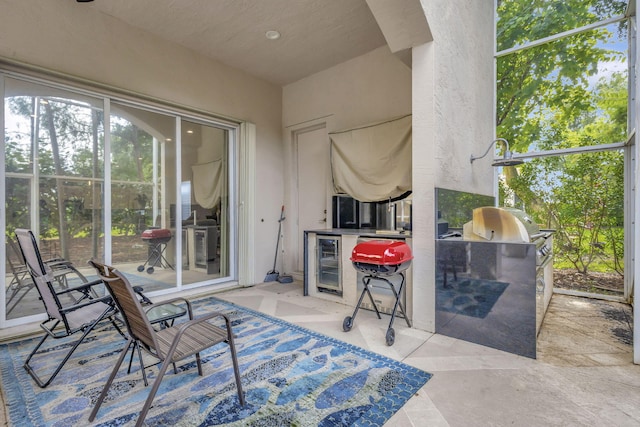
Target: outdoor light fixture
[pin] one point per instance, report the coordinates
(506, 160)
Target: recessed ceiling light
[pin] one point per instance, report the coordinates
(189, 131)
(272, 35)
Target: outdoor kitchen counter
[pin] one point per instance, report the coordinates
(490, 293)
(346, 289)
(363, 232)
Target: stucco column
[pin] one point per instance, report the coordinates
(424, 180)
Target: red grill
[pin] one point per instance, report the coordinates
(156, 235)
(381, 260)
(381, 257)
(156, 239)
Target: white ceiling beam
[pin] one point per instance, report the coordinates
(402, 23)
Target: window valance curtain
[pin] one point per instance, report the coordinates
(207, 180)
(373, 163)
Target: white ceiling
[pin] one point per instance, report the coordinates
(316, 34)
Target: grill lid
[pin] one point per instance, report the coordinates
(500, 224)
(156, 233)
(381, 252)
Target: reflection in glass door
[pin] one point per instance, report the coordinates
(53, 162)
(205, 160)
(158, 208)
(143, 193)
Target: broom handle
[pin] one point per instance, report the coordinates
(278, 238)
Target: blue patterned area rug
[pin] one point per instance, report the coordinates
(291, 377)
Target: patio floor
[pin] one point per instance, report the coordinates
(583, 375)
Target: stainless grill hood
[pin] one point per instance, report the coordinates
(501, 225)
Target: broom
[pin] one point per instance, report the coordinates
(273, 275)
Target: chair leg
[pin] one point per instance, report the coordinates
(26, 365)
(142, 368)
(115, 325)
(133, 352)
(106, 387)
(154, 390)
(135, 347)
(66, 358)
(30, 371)
(86, 332)
(199, 363)
(236, 368)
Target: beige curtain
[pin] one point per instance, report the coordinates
(373, 163)
(207, 182)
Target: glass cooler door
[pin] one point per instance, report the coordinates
(328, 262)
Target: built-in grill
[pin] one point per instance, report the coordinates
(509, 225)
(381, 260)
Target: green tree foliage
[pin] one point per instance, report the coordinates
(547, 100)
(129, 153)
(131, 162)
(554, 75)
(70, 144)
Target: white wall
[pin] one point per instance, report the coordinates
(375, 86)
(63, 36)
(453, 84)
(464, 91)
(370, 88)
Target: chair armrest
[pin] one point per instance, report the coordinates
(56, 263)
(55, 259)
(204, 318)
(81, 288)
(143, 298)
(105, 299)
(182, 328)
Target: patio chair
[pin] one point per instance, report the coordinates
(168, 345)
(162, 314)
(69, 311)
(21, 282)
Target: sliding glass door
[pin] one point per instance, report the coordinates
(205, 201)
(138, 187)
(143, 157)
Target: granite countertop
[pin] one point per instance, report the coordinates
(367, 232)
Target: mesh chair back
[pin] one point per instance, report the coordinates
(16, 261)
(41, 274)
(14, 255)
(130, 308)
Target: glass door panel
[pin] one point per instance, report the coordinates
(328, 261)
(165, 217)
(54, 156)
(17, 281)
(81, 220)
(143, 193)
(205, 202)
